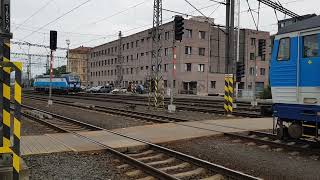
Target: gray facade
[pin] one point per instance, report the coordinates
(200, 60)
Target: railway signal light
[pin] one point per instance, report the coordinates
(262, 47)
(53, 40)
(178, 27)
(240, 71)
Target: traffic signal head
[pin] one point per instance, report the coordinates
(178, 27)
(240, 71)
(262, 47)
(53, 40)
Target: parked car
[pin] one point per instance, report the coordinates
(105, 89)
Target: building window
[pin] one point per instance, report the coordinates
(108, 72)
(141, 68)
(213, 84)
(165, 83)
(142, 40)
(202, 51)
(127, 45)
(188, 33)
(200, 67)
(253, 41)
(127, 70)
(252, 73)
(127, 58)
(251, 56)
(263, 57)
(165, 67)
(262, 71)
(167, 35)
(123, 46)
(284, 49)
(166, 51)
(131, 71)
(111, 61)
(188, 50)
(142, 54)
(187, 67)
(310, 46)
(147, 67)
(137, 42)
(115, 49)
(202, 35)
(131, 44)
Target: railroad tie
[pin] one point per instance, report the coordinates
(179, 166)
(158, 156)
(141, 154)
(215, 177)
(167, 161)
(191, 173)
(134, 173)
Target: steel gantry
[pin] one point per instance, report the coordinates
(156, 89)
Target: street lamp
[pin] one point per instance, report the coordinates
(68, 63)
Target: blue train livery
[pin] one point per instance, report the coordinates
(295, 79)
(63, 83)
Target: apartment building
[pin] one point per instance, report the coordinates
(200, 58)
(78, 63)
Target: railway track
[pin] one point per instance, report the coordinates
(156, 162)
(267, 140)
(117, 111)
(216, 107)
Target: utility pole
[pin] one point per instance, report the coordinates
(29, 70)
(156, 90)
(229, 58)
(120, 62)
(68, 59)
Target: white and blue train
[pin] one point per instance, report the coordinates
(295, 79)
(63, 83)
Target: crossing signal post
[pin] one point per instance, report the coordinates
(53, 47)
(178, 28)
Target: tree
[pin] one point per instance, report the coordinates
(58, 71)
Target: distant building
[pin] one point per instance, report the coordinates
(200, 64)
(78, 63)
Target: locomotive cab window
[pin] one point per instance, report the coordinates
(284, 49)
(310, 46)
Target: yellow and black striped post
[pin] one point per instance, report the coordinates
(7, 148)
(17, 120)
(231, 92)
(228, 94)
(6, 95)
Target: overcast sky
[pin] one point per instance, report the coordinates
(99, 21)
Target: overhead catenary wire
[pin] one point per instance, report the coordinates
(56, 19)
(35, 13)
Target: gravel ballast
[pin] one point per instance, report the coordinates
(30, 127)
(73, 166)
(252, 160)
(188, 115)
(103, 120)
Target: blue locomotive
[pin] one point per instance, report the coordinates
(295, 79)
(63, 83)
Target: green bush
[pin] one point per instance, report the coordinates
(266, 93)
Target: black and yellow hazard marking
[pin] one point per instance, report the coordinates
(7, 147)
(231, 91)
(17, 121)
(6, 96)
(228, 94)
